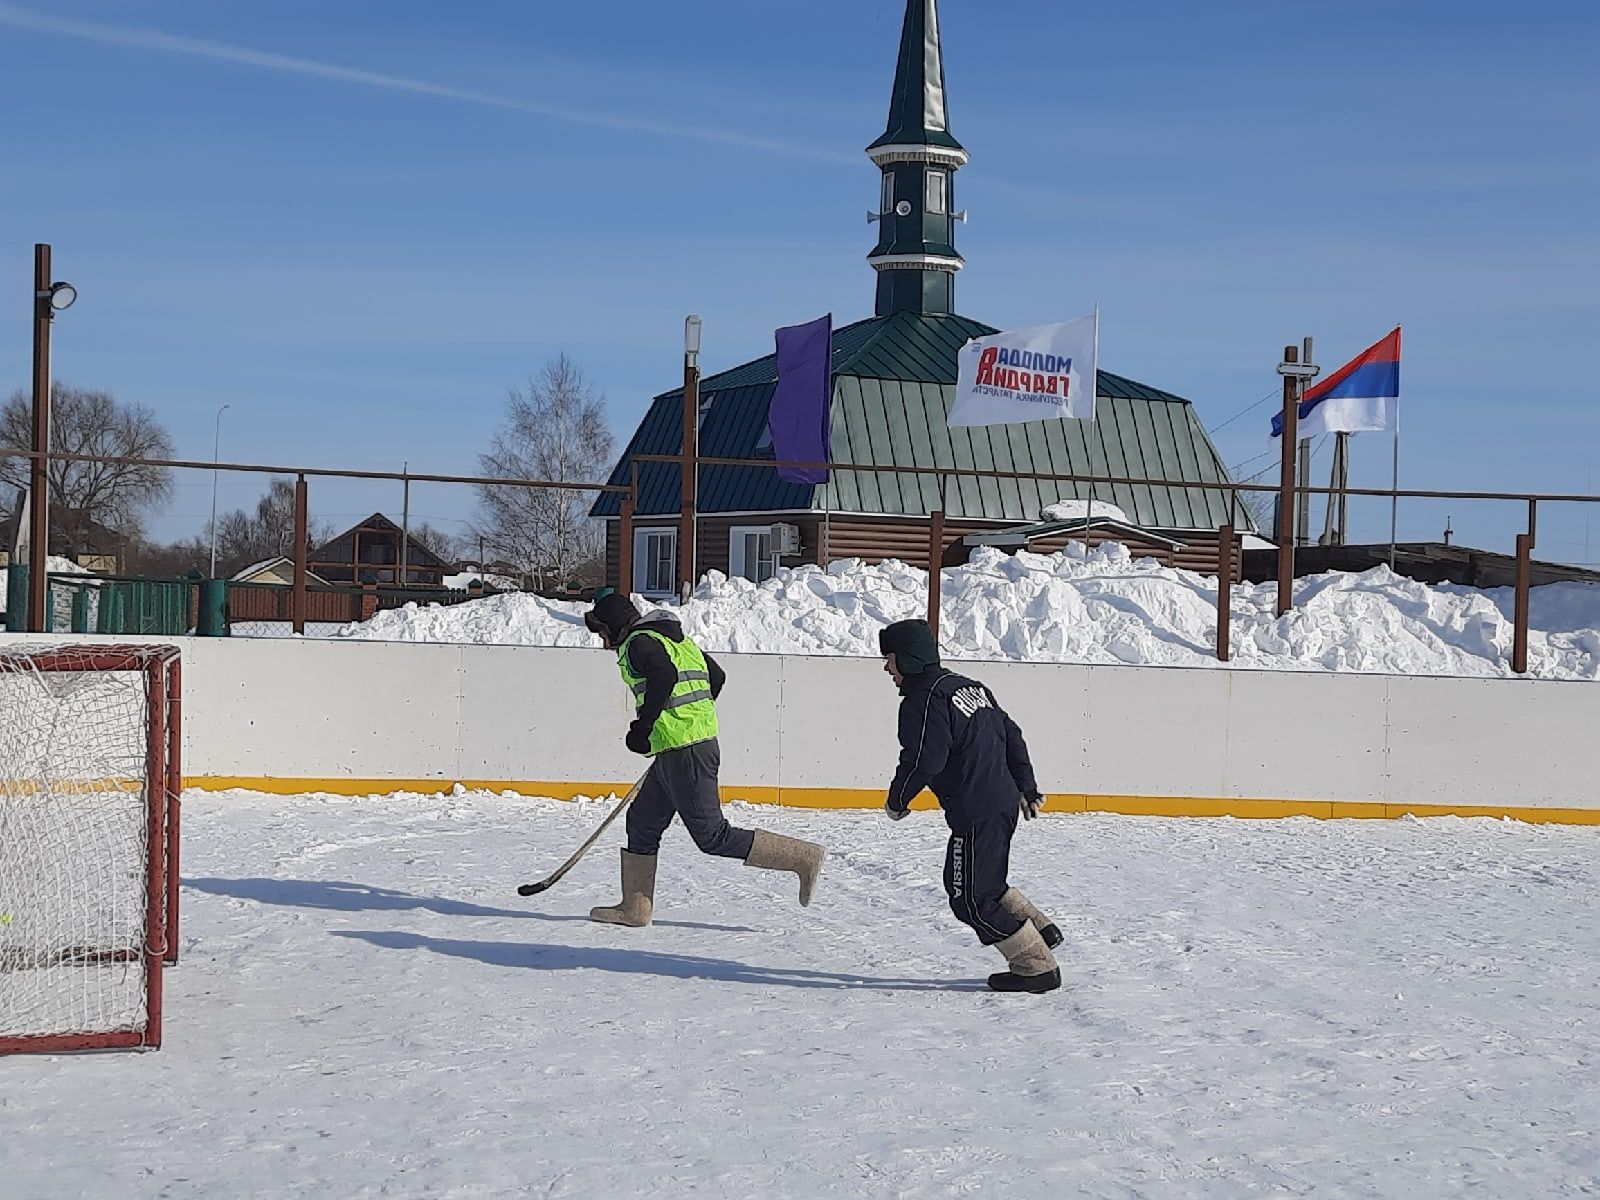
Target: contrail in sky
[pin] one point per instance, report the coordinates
(154, 39)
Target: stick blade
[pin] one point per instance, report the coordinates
(533, 889)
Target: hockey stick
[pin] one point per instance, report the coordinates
(533, 889)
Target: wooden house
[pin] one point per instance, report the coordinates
(74, 535)
(274, 572)
(370, 553)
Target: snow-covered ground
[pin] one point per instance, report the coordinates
(365, 1008)
(1099, 606)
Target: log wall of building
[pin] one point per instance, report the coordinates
(875, 538)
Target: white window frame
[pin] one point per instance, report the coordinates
(886, 204)
(642, 559)
(938, 205)
(736, 557)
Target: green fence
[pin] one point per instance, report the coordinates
(173, 607)
(98, 604)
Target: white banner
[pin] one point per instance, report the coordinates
(1028, 375)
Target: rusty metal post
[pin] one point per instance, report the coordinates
(301, 553)
(39, 468)
(1285, 525)
(935, 559)
(690, 469)
(174, 730)
(1224, 591)
(625, 539)
(1533, 522)
(1303, 514)
(1519, 626)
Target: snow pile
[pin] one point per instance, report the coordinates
(1078, 510)
(61, 599)
(54, 565)
(1080, 605)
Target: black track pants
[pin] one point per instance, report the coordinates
(684, 783)
(975, 869)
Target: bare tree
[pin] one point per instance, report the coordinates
(268, 532)
(431, 537)
(145, 557)
(1260, 507)
(116, 495)
(554, 430)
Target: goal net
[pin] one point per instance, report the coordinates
(89, 783)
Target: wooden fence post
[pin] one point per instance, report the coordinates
(625, 545)
(1519, 627)
(301, 553)
(1224, 591)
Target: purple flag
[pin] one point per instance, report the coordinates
(798, 417)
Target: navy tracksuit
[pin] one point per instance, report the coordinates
(956, 740)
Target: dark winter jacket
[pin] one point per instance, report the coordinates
(956, 740)
(650, 661)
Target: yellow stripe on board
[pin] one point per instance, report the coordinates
(859, 798)
(66, 786)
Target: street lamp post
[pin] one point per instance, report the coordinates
(691, 451)
(49, 298)
(216, 457)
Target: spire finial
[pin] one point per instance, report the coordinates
(918, 114)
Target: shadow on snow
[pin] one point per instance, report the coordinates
(545, 957)
(339, 896)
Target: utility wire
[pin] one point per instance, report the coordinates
(1247, 409)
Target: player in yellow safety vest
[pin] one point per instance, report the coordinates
(675, 686)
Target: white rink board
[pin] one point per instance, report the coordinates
(337, 710)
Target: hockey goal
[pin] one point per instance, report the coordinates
(89, 783)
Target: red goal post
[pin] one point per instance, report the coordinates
(90, 778)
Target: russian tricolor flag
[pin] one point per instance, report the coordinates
(1361, 396)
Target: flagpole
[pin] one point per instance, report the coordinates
(1094, 420)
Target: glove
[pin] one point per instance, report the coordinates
(1031, 804)
(895, 814)
(639, 738)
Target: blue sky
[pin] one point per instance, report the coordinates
(359, 224)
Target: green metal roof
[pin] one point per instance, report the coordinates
(878, 421)
(894, 381)
(916, 347)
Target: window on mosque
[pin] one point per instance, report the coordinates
(888, 193)
(938, 183)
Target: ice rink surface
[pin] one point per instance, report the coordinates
(365, 1008)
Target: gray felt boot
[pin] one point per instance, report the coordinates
(638, 893)
(774, 852)
(1023, 909)
(1033, 967)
